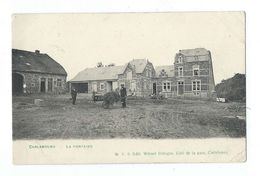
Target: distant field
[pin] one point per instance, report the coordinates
(57, 118)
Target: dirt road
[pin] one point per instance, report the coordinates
(57, 118)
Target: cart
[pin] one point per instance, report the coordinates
(108, 98)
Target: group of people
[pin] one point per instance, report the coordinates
(123, 95)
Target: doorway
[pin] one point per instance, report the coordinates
(17, 81)
(109, 86)
(94, 87)
(80, 87)
(43, 85)
(180, 88)
(154, 88)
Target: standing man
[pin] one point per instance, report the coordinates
(73, 95)
(123, 95)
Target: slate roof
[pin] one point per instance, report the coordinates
(194, 52)
(100, 73)
(169, 69)
(27, 61)
(139, 64)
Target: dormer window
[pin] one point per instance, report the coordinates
(196, 69)
(163, 73)
(179, 59)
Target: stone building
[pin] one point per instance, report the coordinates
(35, 72)
(164, 81)
(191, 75)
(135, 76)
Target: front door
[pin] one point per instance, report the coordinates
(43, 85)
(109, 86)
(180, 87)
(94, 87)
(17, 83)
(154, 88)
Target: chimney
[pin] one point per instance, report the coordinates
(37, 51)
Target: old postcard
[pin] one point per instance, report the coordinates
(129, 88)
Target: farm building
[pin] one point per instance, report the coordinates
(135, 75)
(164, 80)
(191, 75)
(35, 72)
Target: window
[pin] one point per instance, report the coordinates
(129, 75)
(180, 71)
(166, 86)
(102, 86)
(163, 73)
(115, 85)
(148, 73)
(196, 70)
(94, 87)
(196, 87)
(179, 59)
(59, 83)
(133, 86)
(50, 82)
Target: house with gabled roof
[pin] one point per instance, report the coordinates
(35, 72)
(100, 79)
(164, 80)
(135, 76)
(191, 75)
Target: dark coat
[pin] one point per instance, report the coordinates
(73, 93)
(123, 92)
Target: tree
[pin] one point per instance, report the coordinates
(233, 89)
(111, 65)
(100, 64)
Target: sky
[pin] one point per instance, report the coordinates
(79, 41)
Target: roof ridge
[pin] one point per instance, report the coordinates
(164, 65)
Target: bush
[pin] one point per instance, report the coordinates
(110, 98)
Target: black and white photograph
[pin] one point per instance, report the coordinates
(129, 76)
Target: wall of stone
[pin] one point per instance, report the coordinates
(33, 81)
(144, 81)
(159, 86)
